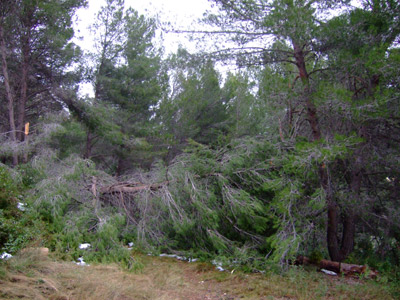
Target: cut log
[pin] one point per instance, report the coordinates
(338, 267)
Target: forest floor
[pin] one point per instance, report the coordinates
(34, 276)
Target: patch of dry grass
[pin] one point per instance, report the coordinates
(34, 276)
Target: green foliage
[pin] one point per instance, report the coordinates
(253, 179)
(62, 216)
(196, 109)
(8, 189)
(29, 175)
(211, 205)
(10, 229)
(68, 138)
(128, 81)
(19, 232)
(17, 228)
(241, 105)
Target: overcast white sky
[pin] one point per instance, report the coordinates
(179, 12)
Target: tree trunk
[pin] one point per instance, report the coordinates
(332, 214)
(336, 252)
(89, 145)
(120, 166)
(9, 94)
(349, 223)
(304, 77)
(349, 230)
(21, 113)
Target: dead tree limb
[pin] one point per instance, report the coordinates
(128, 188)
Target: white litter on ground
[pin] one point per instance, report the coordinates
(81, 262)
(173, 256)
(218, 265)
(183, 258)
(21, 206)
(5, 256)
(130, 244)
(328, 272)
(84, 246)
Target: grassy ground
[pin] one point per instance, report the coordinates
(31, 275)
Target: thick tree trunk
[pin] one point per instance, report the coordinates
(332, 233)
(349, 231)
(333, 218)
(349, 223)
(336, 251)
(120, 166)
(9, 94)
(304, 77)
(89, 145)
(21, 113)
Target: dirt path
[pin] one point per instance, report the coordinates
(36, 277)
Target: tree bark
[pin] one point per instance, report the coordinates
(21, 108)
(299, 56)
(88, 148)
(350, 216)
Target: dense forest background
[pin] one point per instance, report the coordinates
(295, 152)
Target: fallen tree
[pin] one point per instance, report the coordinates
(338, 267)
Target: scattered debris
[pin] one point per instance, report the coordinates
(21, 206)
(218, 265)
(328, 272)
(84, 246)
(5, 256)
(81, 262)
(390, 179)
(130, 244)
(173, 256)
(183, 258)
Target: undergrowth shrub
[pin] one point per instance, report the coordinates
(8, 191)
(13, 233)
(246, 204)
(62, 199)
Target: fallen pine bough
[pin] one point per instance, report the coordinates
(339, 267)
